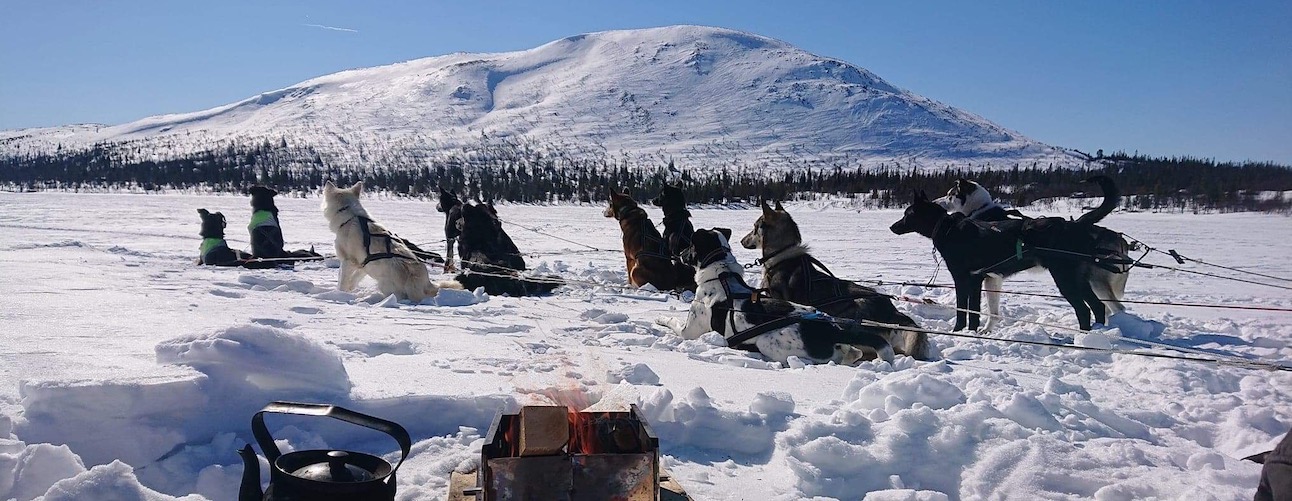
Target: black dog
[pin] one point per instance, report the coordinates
(490, 259)
(677, 220)
(267, 233)
(214, 251)
(973, 249)
(451, 206)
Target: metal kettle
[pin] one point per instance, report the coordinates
(320, 475)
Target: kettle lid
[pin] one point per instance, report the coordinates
(336, 469)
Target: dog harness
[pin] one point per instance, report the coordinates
(262, 218)
(806, 263)
(724, 313)
(652, 244)
(368, 235)
(209, 245)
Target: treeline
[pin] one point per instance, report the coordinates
(510, 171)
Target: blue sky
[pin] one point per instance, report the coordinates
(1209, 79)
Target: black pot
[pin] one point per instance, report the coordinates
(320, 475)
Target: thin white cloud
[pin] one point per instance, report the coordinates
(332, 28)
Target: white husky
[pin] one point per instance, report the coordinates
(367, 248)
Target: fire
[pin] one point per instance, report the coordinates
(511, 437)
(583, 425)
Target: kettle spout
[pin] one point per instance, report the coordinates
(249, 490)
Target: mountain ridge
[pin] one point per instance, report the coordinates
(702, 95)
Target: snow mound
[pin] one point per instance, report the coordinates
(266, 359)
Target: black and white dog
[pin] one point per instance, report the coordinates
(974, 250)
(267, 233)
(975, 202)
(778, 329)
(451, 205)
(677, 220)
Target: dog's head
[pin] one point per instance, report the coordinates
(262, 198)
(620, 203)
(448, 200)
(338, 200)
(478, 219)
(921, 217)
(708, 247)
(966, 197)
(213, 224)
(670, 198)
(774, 229)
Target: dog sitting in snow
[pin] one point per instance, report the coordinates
(645, 251)
(215, 251)
(975, 202)
(365, 247)
(776, 328)
(267, 233)
(451, 206)
(490, 259)
(677, 220)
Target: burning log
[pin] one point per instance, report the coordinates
(560, 454)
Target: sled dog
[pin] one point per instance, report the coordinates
(791, 273)
(776, 328)
(365, 247)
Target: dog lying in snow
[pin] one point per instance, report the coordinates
(490, 259)
(365, 247)
(267, 233)
(645, 251)
(975, 250)
(791, 273)
(776, 328)
(975, 202)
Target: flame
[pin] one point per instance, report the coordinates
(511, 437)
(583, 425)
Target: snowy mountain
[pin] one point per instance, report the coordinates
(699, 94)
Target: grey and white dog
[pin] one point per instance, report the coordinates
(776, 328)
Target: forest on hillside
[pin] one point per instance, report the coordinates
(506, 170)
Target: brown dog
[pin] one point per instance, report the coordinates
(645, 250)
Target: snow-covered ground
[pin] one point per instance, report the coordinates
(116, 347)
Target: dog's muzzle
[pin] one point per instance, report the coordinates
(899, 228)
(688, 256)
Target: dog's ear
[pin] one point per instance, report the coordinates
(767, 209)
(357, 188)
(329, 188)
(915, 196)
(726, 232)
(625, 190)
(778, 206)
(923, 197)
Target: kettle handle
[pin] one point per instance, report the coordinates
(271, 451)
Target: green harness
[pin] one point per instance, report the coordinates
(262, 218)
(210, 243)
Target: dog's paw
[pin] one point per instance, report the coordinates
(671, 323)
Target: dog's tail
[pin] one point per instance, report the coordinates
(1112, 197)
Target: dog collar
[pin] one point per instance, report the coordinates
(763, 260)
